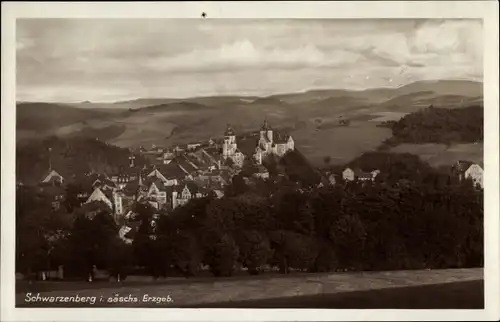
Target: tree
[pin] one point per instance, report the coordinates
(255, 249)
(183, 251)
(38, 229)
(293, 250)
(118, 258)
(146, 249)
(93, 230)
(237, 186)
(222, 255)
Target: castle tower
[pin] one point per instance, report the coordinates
(266, 132)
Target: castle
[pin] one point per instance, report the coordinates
(270, 144)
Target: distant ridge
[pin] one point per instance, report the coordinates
(441, 87)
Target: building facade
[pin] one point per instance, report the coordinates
(271, 143)
(230, 148)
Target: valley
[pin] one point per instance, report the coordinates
(311, 117)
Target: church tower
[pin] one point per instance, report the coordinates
(229, 146)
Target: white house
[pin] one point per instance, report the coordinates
(157, 193)
(356, 174)
(113, 200)
(469, 170)
(348, 174)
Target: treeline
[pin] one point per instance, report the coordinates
(70, 156)
(349, 226)
(439, 125)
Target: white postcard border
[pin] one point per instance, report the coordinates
(486, 10)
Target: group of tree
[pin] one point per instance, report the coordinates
(69, 156)
(439, 125)
(287, 222)
(346, 227)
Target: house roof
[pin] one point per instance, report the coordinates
(171, 170)
(48, 173)
(98, 194)
(280, 138)
(157, 182)
(462, 165)
(132, 188)
(218, 193)
(185, 165)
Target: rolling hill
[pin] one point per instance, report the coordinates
(166, 121)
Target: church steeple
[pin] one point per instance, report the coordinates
(265, 126)
(229, 131)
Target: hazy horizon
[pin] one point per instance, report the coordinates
(111, 60)
(256, 96)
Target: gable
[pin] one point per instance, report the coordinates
(98, 195)
(474, 168)
(52, 175)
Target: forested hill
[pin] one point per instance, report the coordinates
(68, 157)
(439, 125)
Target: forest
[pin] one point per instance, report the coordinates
(439, 125)
(70, 157)
(388, 225)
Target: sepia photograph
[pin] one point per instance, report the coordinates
(257, 163)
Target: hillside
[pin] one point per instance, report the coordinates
(68, 157)
(312, 117)
(46, 116)
(440, 125)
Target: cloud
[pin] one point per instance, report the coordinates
(245, 55)
(88, 59)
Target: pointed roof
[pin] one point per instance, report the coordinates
(157, 174)
(462, 165)
(229, 131)
(157, 182)
(50, 174)
(281, 138)
(97, 194)
(265, 126)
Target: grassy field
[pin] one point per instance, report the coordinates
(342, 144)
(460, 295)
(220, 290)
(440, 154)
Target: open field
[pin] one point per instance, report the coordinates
(342, 144)
(459, 295)
(201, 292)
(440, 154)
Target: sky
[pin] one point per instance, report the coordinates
(104, 60)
